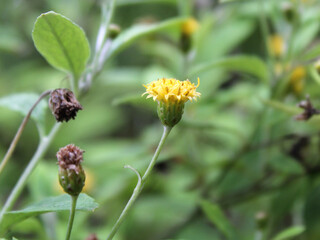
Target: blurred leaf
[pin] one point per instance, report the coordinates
(314, 52)
(304, 36)
(217, 217)
(247, 64)
(129, 36)
(22, 103)
(50, 204)
(289, 233)
(291, 110)
(61, 42)
(129, 2)
(312, 214)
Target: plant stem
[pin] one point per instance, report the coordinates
(20, 130)
(71, 216)
(42, 147)
(265, 35)
(140, 183)
(102, 46)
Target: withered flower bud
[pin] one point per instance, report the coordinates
(64, 104)
(71, 173)
(308, 112)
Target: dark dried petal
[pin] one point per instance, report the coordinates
(308, 112)
(64, 104)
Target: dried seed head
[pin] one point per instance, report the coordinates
(71, 173)
(308, 112)
(64, 104)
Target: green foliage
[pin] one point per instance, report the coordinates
(50, 204)
(217, 217)
(246, 64)
(23, 102)
(127, 37)
(238, 146)
(289, 233)
(61, 42)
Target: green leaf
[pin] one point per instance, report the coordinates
(217, 217)
(137, 31)
(50, 204)
(130, 2)
(61, 42)
(247, 64)
(291, 110)
(312, 214)
(312, 53)
(304, 36)
(22, 103)
(289, 233)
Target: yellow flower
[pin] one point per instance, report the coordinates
(297, 79)
(171, 95)
(277, 45)
(189, 26)
(172, 90)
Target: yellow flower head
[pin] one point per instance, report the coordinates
(189, 26)
(171, 95)
(277, 45)
(170, 90)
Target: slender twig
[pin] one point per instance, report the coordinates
(102, 46)
(132, 199)
(42, 147)
(265, 35)
(20, 130)
(140, 183)
(71, 216)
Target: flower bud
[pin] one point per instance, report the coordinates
(114, 30)
(187, 29)
(64, 104)
(261, 220)
(171, 95)
(71, 174)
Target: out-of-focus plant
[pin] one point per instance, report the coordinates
(237, 166)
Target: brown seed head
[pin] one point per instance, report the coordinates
(308, 108)
(64, 104)
(70, 157)
(71, 174)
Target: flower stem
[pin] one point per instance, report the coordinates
(140, 183)
(71, 216)
(20, 130)
(42, 147)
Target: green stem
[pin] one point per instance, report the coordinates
(71, 216)
(265, 35)
(42, 147)
(140, 183)
(20, 130)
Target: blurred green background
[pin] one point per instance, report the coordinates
(238, 166)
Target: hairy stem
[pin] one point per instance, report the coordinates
(71, 216)
(42, 147)
(20, 130)
(140, 183)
